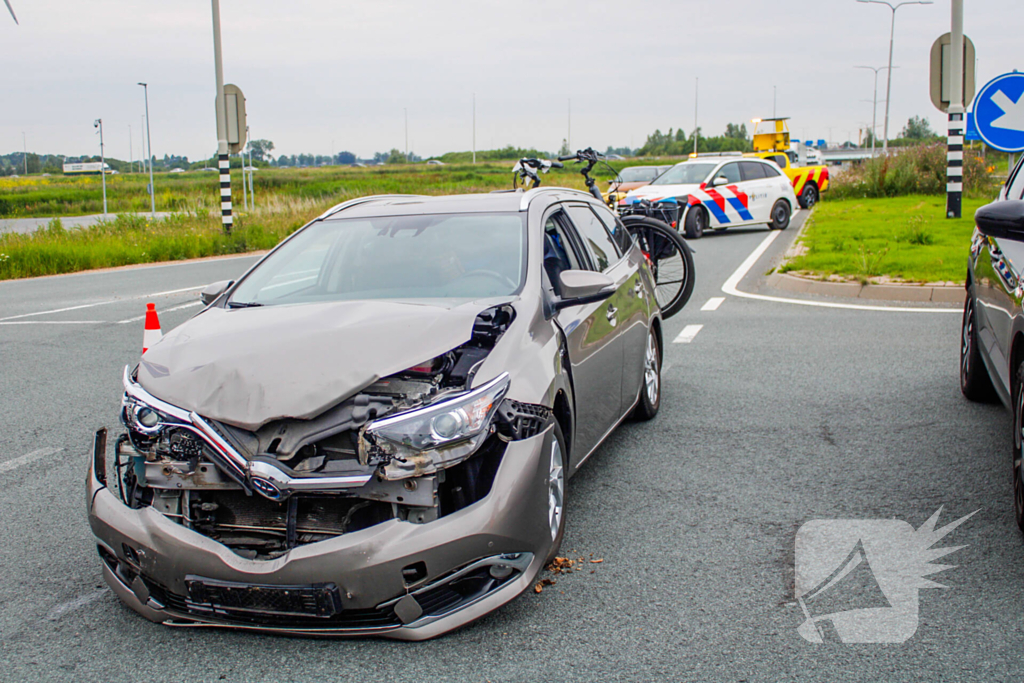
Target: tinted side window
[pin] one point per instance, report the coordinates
(730, 171)
(594, 235)
(623, 239)
(559, 250)
(779, 159)
(751, 170)
(1015, 184)
(770, 171)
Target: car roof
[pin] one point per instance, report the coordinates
(411, 205)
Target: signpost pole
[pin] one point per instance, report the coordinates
(103, 163)
(223, 161)
(955, 140)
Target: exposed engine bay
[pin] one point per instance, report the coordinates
(414, 446)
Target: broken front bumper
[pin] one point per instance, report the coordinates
(456, 568)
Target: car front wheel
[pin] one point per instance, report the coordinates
(1018, 440)
(695, 223)
(556, 458)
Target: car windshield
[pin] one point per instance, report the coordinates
(639, 174)
(463, 256)
(687, 173)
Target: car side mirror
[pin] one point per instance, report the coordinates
(580, 287)
(720, 180)
(210, 294)
(1002, 219)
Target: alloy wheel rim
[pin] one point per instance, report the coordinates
(556, 488)
(651, 380)
(780, 215)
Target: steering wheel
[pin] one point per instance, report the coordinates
(491, 274)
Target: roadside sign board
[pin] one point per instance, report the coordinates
(999, 113)
(234, 103)
(939, 76)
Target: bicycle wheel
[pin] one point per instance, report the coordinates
(671, 262)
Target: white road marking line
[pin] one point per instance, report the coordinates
(730, 288)
(55, 322)
(103, 303)
(78, 603)
(713, 303)
(687, 335)
(14, 463)
(166, 310)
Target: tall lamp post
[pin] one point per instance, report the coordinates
(98, 123)
(149, 144)
(892, 31)
(874, 104)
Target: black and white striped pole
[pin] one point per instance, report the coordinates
(223, 161)
(957, 124)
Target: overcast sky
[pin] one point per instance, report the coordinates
(332, 75)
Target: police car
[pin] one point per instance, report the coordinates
(716, 192)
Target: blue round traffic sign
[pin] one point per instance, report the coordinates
(999, 113)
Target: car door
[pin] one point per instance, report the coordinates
(592, 338)
(727, 198)
(635, 314)
(758, 190)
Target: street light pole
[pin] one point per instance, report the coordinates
(474, 128)
(24, 155)
(131, 153)
(892, 32)
(874, 104)
(98, 123)
(149, 145)
(696, 95)
(223, 161)
(406, 110)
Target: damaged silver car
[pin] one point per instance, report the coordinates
(370, 432)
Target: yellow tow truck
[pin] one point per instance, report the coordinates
(808, 181)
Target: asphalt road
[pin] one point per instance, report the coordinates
(773, 414)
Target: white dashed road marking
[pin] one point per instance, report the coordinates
(713, 303)
(15, 463)
(687, 335)
(103, 303)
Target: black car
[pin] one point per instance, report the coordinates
(992, 340)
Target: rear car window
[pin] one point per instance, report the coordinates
(752, 170)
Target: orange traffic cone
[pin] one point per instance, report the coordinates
(152, 334)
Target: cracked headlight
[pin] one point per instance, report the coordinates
(427, 439)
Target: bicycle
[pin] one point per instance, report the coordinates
(670, 257)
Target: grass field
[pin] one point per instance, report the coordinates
(285, 200)
(901, 239)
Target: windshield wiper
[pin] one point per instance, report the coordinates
(243, 304)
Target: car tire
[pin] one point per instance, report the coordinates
(780, 215)
(650, 391)
(809, 196)
(975, 383)
(695, 223)
(556, 495)
(1018, 441)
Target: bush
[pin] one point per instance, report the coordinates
(914, 170)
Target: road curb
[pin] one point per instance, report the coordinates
(855, 290)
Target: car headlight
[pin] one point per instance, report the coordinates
(141, 417)
(425, 440)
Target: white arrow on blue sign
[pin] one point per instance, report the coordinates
(999, 113)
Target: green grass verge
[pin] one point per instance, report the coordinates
(900, 238)
(286, 199)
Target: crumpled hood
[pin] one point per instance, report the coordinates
(250, 366)
(656, 192)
